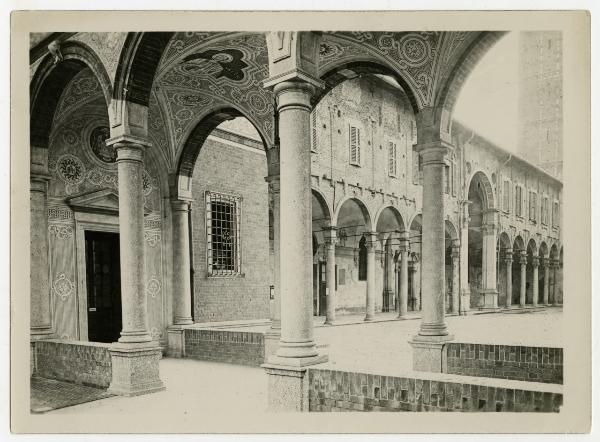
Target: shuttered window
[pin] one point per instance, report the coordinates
(354, 135)
(555, 214)
(313, 124)
(532, 205)
(506, 196)
(545, 211)
(519, 201)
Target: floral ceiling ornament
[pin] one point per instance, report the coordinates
(63, 287)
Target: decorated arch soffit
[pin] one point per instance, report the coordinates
(200, 71)
(107, 45)
(425, 60)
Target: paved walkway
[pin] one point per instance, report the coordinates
(48, 394)
(199, 389)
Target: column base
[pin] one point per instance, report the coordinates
(465, 303)
(281, 361)
(369, 317)
(489, 299)
(287, 388)
(429, 353)
(135, 369)
(176, 341)
(41, 334)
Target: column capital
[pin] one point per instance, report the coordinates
(293, 95)
(180, 205)
(455, 253)
(544, 262)
(125, 140)
(330, 234)
(274, 182)
(434, 152)
(535, 261)
(522, 258)
(488, 229)
(371, 241)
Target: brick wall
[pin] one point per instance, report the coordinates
(331, 390)
(240, 171)
(87, 363)
(535, 364)
(234, 347)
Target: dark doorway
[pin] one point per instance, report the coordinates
(103, 274)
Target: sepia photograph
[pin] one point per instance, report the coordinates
(236, 222)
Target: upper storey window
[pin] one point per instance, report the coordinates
(392, 159)
(519, 200)
(354, 145)
(506, 196)
(313, 131)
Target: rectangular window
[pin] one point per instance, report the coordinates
(223, 215)
(392, 159)
(532, 205)
(555, 214)
(415, 166)
(506, 196)
(420, 170)
(545, 211)
(518, 201)
(313, 124)
(354, 137)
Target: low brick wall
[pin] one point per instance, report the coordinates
(234, 347)
(534, 364)
(331, 390)
(87, 363)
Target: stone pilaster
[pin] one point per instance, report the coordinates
(330, 242)
(508, 261)
(455, 306)
(41, 300)
(296, 346)
(546, 267)
(182, 291)
(371, 245)
(465, 292)
(135, 357)
(433, 333)
(273, 335)
(522, 293)
(535, 289)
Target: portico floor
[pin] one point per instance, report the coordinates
(197, 389)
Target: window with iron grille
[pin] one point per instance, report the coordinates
(223, 216)
(354, 138)
(392, 159)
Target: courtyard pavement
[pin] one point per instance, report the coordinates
(197, 389)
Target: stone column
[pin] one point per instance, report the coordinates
(41, 302)
(433, 333)
(546, 268)
(135, 356)
(465, 292)
(455, 278)
(535, 290)
(330, 242)
(182, 291)
(390, 290)
(403, 257)
(273, 335)
(296, 346)
(371, 244)
(508, 260)
(488, 268)
(522, 293)
(555, 265)
(415, 295)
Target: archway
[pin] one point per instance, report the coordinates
(481, 200)
(414, 271)
(389, 225)
(531, 287)
(451, 249)
(505, 258)
(353, 222)
(544, 274)
(519, 259)
(321, 223)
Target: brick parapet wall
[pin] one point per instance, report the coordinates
(87, 363)
(234, 347)
(534, 364)
(331, 390)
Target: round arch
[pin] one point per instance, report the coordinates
(532, 247)
(554, 251)
(543, 250)
(518, 244)
(388, 218)
(50, 80)
(353, 67)
(364, 210)
(504, 240)
(188, 155)
(319, 197)
(450, 229)
(483, 186)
